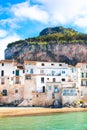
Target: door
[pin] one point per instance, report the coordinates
(43, 89)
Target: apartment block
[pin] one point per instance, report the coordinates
(36, 83)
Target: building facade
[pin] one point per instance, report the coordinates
(82, 79)
(35, 83)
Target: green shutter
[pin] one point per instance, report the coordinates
(17, 72)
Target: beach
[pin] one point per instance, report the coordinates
(27, 111)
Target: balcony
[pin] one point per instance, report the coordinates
(53, 74)
(85, 78)
(53, 83)
(2, 80)
(17, 82)
(28, 77)
(84, 75)
(83, 85)
(69, 85)
(84, 82)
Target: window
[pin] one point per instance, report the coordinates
(73, 70)
(31, 71)
(52, 64)
(27, 77)
(83, 83)
(82, 75)
(8, 78)
(43, 89)
(2, 64)
(49, 87)
(2, 73)
(41, 71)
(17, 80)
(65, 92)
(53, 96)
(63, 79)
(54, 80)
(81, 93)
(4, 92)
(23, 71)
(59, 74)
(86, 75)
(42, 64)
(11, 78)
(36, 95)
(42, 80)
(53, 72)
(2, 81)
(71, 92)
(17, 72)
(74, 92)
(13, 72)
(60, 64)
(16, 91)
(56, 90)
(63, 72)
(86, 83)
(47, 78)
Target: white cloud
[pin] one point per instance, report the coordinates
(81, 22)
(12, 23)
(66, 11)
(3, 33)
(52, 12)
(24, 11)
(4, 42)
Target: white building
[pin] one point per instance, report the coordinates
(46, 72)
(49, 80)
(69, 88)
(82, 79)
(11, 81)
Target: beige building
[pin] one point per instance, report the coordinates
(82, 79)
(11, 82)
(70, 91)
(46, 80)
(37, 83)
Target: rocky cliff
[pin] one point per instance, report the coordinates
(64, 45)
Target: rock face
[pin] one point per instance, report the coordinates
(53, 30)
(68, 53)
(56, 44)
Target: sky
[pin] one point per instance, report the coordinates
(21, 19)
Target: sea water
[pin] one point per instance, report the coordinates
(63, 121)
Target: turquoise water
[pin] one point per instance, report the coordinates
(65, 121)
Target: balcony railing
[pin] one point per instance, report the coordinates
(69, 85)
(17, 82)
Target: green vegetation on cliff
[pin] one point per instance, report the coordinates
(55, 35)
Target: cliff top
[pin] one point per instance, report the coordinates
(53, 35)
